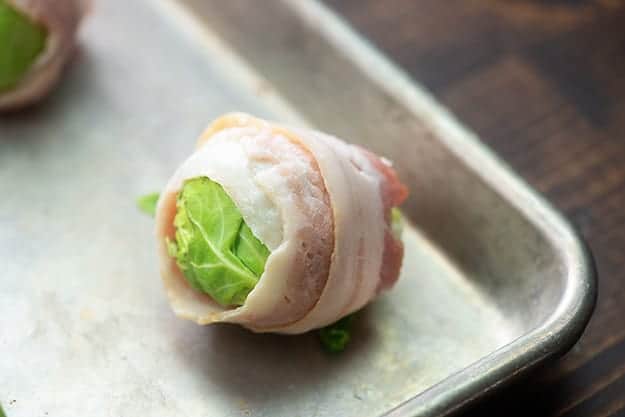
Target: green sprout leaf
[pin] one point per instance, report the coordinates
(335, 337)
(21, 42)
(2, 412)
(397, 222)
(214, 248)
(147, 203)
(250, 250)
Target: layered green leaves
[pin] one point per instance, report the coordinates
(214, 248)
(21, 42)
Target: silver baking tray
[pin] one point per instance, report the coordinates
(494, 281)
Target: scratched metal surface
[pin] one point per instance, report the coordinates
(493, 280)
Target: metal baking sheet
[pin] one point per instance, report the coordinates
(494, 280)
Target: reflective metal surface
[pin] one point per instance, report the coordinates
(494, 280)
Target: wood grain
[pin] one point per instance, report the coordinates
(543, 83)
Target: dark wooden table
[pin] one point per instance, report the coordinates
(543, 83)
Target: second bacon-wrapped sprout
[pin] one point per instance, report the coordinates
(37, 38)
(277, 229)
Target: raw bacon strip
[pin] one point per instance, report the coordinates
(321, 206)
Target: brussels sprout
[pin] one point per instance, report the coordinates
(37, 38)
(213, 246)
(21, 43)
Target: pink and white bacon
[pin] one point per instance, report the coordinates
(320, 205)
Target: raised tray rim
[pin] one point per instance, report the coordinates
(565, 325)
